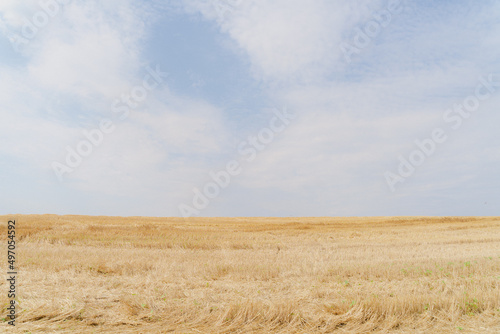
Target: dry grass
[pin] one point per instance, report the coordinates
(82, 274)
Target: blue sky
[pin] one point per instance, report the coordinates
(229, 66)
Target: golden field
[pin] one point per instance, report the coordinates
(83, 274)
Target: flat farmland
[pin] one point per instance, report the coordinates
(89, 274)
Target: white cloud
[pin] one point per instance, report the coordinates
(186, 126)
(353, 120)
(288, 39)
(78, 65)
(158, 152)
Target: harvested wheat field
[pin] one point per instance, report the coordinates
(82, 274)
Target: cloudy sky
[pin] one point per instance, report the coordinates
(318, 107)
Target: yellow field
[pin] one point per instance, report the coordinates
(80, 274)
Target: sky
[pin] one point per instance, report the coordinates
(250, 107)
